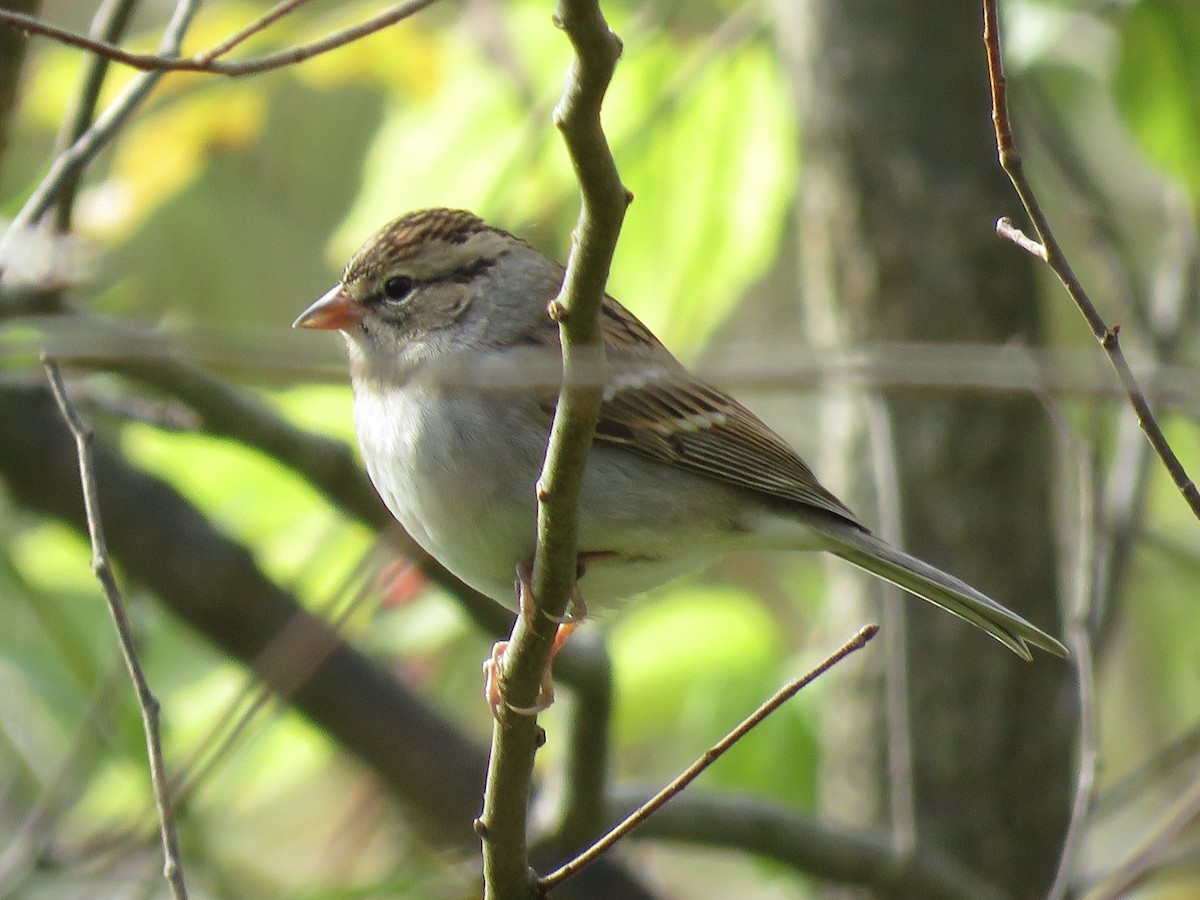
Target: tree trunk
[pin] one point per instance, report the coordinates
(900, 192)
(12, 58)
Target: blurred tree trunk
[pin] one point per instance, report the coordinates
(12, 57)
(900, 192)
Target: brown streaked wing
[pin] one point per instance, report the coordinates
(671, 417)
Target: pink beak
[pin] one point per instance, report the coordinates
(333, 310)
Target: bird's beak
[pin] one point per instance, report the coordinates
(334, 309)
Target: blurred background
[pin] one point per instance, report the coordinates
(816, 191)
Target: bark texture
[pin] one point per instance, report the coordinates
(900, 192)
(12, 58)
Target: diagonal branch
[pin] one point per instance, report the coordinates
(655, 803)
(101, 565)
(207, 60)
(1046, 247)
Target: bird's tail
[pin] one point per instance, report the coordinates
(866, 551)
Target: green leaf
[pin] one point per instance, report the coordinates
(704, 139)
(1157, 85)
(296, 537)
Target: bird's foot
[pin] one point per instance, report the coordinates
(576, 607)
(493, 666)
(493, 673)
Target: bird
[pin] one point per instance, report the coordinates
(455, 368)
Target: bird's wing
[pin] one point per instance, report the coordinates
(654, 407)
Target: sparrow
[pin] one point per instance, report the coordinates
(455, 365)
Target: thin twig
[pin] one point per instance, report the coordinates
(1046, 247)
(172, 864)
(267, 19)
(1157, 772)
(1183, 814)
(1007, 230)
(516, 737)
(71, 161)
(1082, 590)
(109, 24)
(207, 61)
(901, 782)
(789, 690)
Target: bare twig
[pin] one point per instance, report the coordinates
(71, 161)
(1006, 229)
(1081, 591)
(109, 23)
(515, 737)
(901, 782)
(1046, 247)
(806, 844)
(65, 169)
(267, 19)
(1138, 866)
(172, 865)
(693, 771)
(207, 61)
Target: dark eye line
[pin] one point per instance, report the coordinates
(465, 273)
(400, 286)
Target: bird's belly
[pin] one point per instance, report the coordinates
(469, 500)
(457, 494)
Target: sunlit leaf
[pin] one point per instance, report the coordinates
(691, 639)
(704, 139)
(1157, 84)
(165, 150)
(258, 501)
(712, 172)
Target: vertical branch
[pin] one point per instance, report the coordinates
(1080, 615)
(12, 58)
(109, 25)
(516, 737)
(172, 865)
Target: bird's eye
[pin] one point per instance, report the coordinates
(398, 287)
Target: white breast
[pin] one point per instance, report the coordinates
(464, 497)
(461, 482)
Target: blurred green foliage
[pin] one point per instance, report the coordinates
(230, 204)
(1157, 84)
